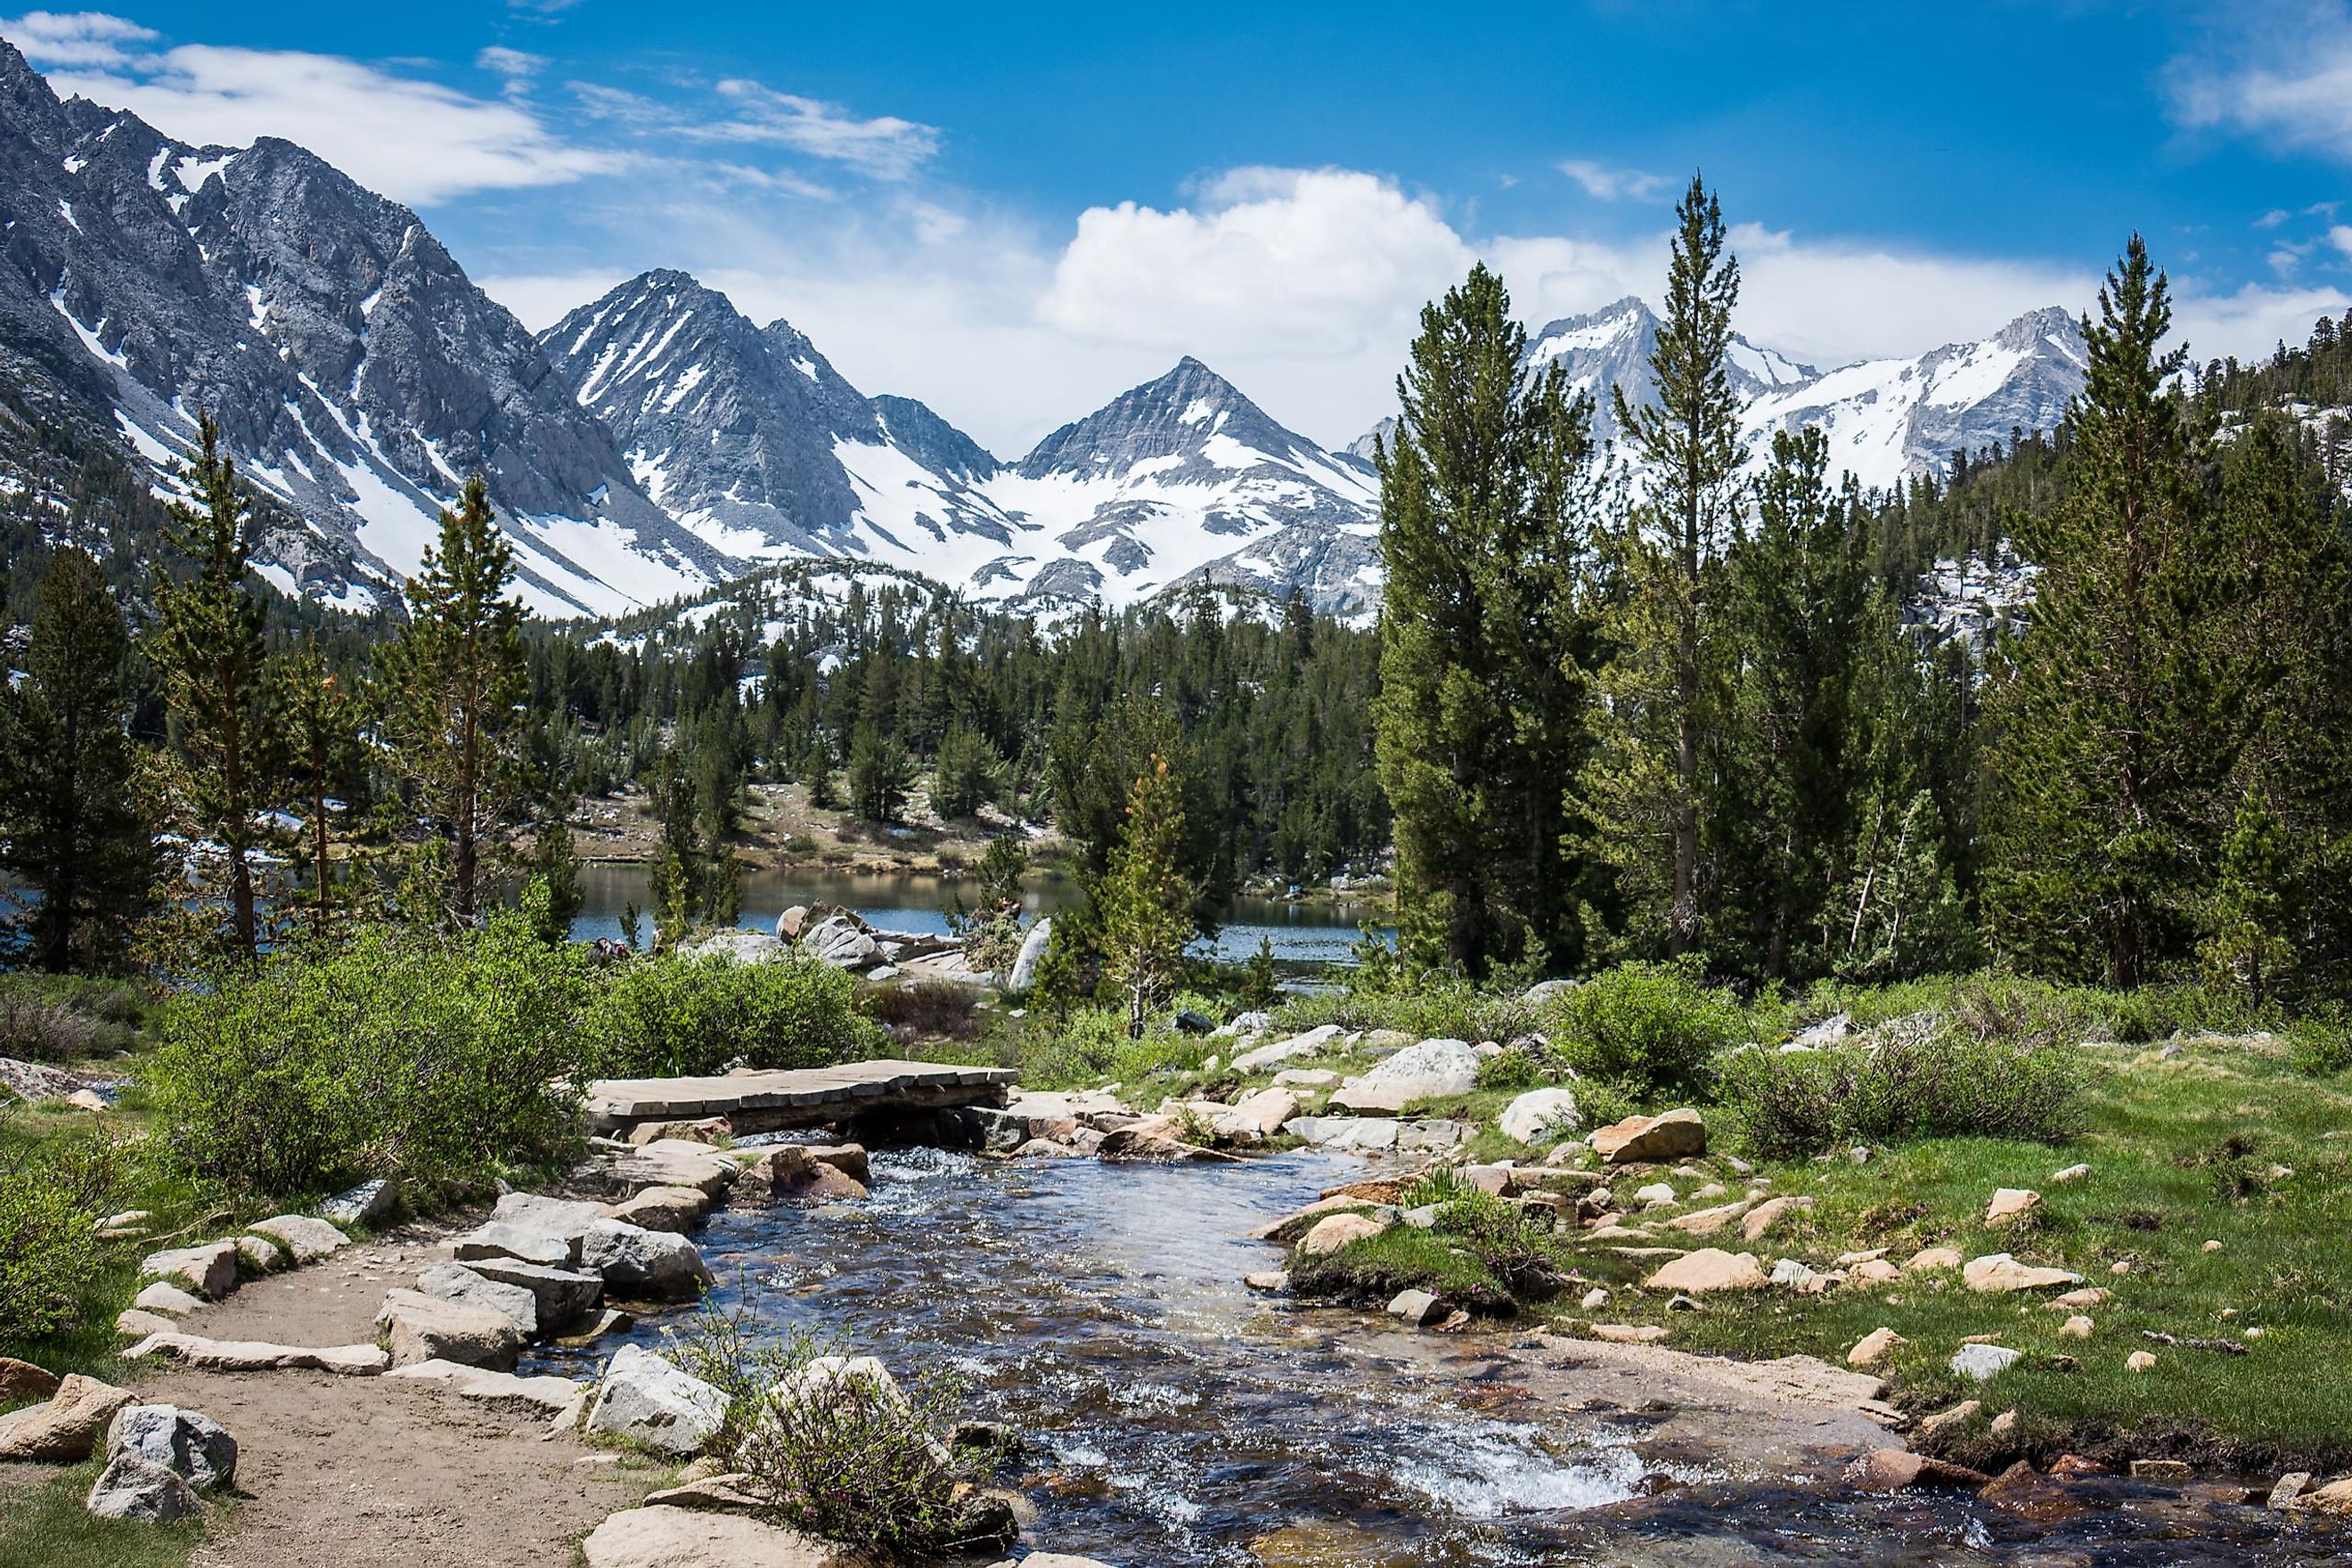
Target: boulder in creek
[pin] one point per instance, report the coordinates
(1332, 1232)
(662, 1537)
(789, 1173)
(67, 1427)
(307, 1238)
(184, 1442)
(1415, 1307)
(1539, 1116)
(648, 1400)
(420, 1327)
(209, 1271)
(1434, 1070)
(1256, 1116)
(674, 1162)
(132, 1488)
(2025, 1491)
(561, 1297)
(1709, 1269)
(1900, 1470)
(21, 1381)
(2000, 1272)
(1678, 1134)
(2334, 1499)
(461, 1282)
(647, 1265)
(1141, 1142)
(674, 1209)
(849, 1159)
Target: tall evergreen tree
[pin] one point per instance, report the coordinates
(1145, 901)
(207, 647)
(454, 684)
(2104, 714)
(1485, 643)
(320, 722)
(70, 831)
(1646, 789)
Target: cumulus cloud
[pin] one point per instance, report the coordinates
(1605, 183)
(2281, 73)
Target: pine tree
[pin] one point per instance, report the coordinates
(454, 685)
(964, 778)
(881, 776)
(2103, 715)
(1647, 791)
(1906, 917)
(1146, 901)
(70, 831)
(1792, 765)
(206, 645)
(320, 726)
(1485, 641)
(2249, 917)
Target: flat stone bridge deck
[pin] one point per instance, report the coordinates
(759, 1099)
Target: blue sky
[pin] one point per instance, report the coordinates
(1015, 212)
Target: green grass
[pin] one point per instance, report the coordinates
(45, 1526)
(2180, 1152)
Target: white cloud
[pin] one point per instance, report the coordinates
(2250, 322)
(886, 147)
(414, 141)
(74, 38)
(1605, 183)
(2281, 73)
(519, 67)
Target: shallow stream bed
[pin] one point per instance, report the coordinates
(1177, 1421)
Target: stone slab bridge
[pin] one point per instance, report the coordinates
(759, 1099)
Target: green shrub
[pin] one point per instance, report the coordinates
(61, 1018)
(1910, 1083)
(2323, 1040)
(1653, 1027)
(1513, 1066)
(837, 1451)
(1090, 1046)
(430, 1057)
(1426, 1007)
(668, 1016)
(51, 1197)
(1481, 1253)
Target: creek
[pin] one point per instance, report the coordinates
(1175, 1420)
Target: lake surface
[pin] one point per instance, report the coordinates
(1175, 1420)
(1300, 935)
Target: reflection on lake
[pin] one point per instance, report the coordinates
(1299, 933)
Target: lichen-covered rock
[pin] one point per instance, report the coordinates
(181, 1441)
(133, 1487)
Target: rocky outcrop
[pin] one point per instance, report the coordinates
(1434, 1070)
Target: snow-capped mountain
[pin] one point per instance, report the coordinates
(1885, 420)
(1183, 480)
(356, 373)
(750, 438)
(1889, 419)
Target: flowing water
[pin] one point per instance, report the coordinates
(1301, 934)
(1177, 1421)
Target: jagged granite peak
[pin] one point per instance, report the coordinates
(751, 439)
(356, 373)
(1611, 348)
(1889, 419)
(1184, 479)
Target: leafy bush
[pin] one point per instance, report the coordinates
(1909, 1083)
(1514, 1067)
(51, 1197)
(1650, 1027)
(2323, 1040)
(430, 1057)
(668, 1016)
(1426, 1007)
(835, 1450)
(57, 1018)
(1090, 1046)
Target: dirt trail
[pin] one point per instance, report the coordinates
(358, 1473)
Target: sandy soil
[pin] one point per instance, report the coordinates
(356, 1472)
